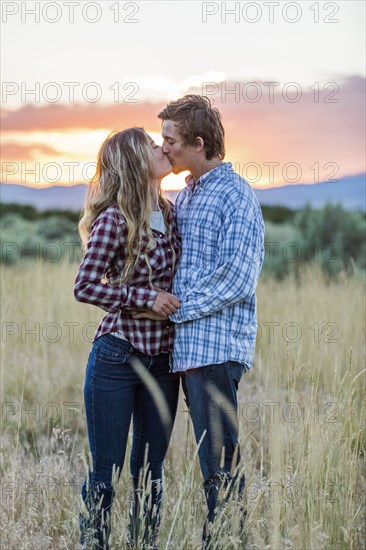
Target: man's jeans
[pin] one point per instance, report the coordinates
(114, 392)
(211, 395)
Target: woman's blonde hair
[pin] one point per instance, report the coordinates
(125, 174)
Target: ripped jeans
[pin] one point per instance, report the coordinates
(115, 391)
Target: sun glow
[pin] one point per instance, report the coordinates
(71, 160)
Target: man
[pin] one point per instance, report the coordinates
(222, 231)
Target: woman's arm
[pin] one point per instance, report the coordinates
(105, 241)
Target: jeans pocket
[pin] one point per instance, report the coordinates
(107, 354)
(113, 350)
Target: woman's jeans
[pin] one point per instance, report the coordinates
(121, 383)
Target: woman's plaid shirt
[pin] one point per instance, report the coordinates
(102, 266)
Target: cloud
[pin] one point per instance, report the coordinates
(320, 132)
(76, 116)
(307, 132)
(14, 151)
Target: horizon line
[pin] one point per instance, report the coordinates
(259, 188)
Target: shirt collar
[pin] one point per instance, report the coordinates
(207, 176)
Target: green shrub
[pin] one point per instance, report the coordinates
(333, 236)
(278, 214)
(56, 228)
(50, 240)
(282, 249)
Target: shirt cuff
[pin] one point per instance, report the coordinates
(143, 297)
(185, 313)
(176, 317)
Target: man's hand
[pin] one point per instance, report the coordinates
(165, 304)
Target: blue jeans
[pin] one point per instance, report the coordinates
(211, 395)
(114, 392)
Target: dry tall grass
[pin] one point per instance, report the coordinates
(301, 407)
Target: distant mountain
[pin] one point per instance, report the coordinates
(348, 191)
(57, 196)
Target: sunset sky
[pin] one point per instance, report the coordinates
(74, 71)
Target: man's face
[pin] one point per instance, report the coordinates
(182, 157)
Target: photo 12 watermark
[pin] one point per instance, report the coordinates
(272, 412)
(52, 252)
(49, 172)
(52, 172)
(26, 332)
(33, 251)
(327, 332)
(269, 332)
(291, 488)
(270, 92)
(69, 92)
(288, 173)
(117, 12)
(270, 12)
(66, 413)
(44, 489)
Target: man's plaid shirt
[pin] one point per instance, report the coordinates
(222, 230)
(105, 259)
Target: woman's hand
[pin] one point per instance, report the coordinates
(148, 314)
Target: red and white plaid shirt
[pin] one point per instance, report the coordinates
(105, 259)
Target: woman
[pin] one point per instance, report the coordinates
(131, 250)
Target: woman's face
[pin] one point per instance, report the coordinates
(162, 164)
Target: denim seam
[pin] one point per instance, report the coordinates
(92, 391)
(212, 423)
(140, 436)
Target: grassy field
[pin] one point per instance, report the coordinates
(301, 408)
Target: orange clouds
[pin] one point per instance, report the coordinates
(93, 116)
(321, 137)
(272, 141)
(14, 151)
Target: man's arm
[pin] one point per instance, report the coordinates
(240, 251)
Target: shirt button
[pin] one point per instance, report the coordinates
(169, 250)
(169, 268)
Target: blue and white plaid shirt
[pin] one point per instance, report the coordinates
(222, 229)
